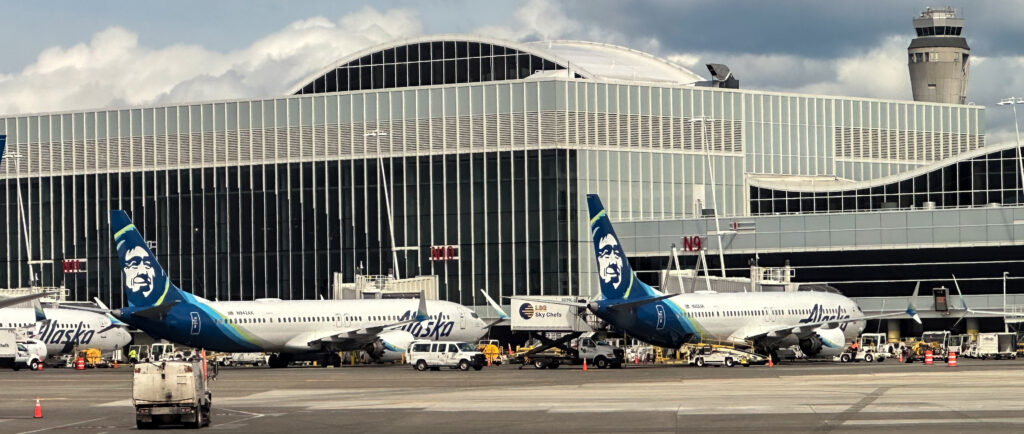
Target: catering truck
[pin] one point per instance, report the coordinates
(563, 335)
(171, 392)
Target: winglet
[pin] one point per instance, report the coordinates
(495, 305)
(37, 307)
(963, 301)
(421, 311)
(911, 309)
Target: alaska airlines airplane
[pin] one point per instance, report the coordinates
(820, 322)
(294, 329)
(61, 330)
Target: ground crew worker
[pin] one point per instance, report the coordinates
(133, 356)
(854, 346)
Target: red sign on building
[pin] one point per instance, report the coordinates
(444, 253)
(692, 243)
(74, 265)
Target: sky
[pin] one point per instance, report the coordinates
(70, 55)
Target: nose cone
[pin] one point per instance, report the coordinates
(122, 337)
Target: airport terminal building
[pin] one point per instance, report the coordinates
(483, 150)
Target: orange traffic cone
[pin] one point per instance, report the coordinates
(39, 410)
(40, 366)
(770, 364)
(584, 365)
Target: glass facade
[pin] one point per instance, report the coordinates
(271, 197)
(983, 180)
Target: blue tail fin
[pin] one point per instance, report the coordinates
(144, 281)
(616, 276)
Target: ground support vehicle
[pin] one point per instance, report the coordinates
(432, 355)
(701, 355)
(244, 359)
(861, 355)
(935, 342)
(171, 392)
(491, 349)
(8, 347)
(553, 353)
(997, 346)
(16, 353)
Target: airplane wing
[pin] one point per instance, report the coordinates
(361, 335)
(803, 329)
(11, 301)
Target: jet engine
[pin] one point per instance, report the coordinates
(823, 343)
(389, 346)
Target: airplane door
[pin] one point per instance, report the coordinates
(462, 319)
(337, 320)
(346, 320)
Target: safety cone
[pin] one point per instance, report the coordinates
(584, 365)
(488, 362)
(901, 356)
(770, 364)
(40, 368)
(39, 410)
(636, 359)
(951, 361)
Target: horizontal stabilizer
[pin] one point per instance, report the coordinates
(158, 312)
(634, 304)
(11, 301)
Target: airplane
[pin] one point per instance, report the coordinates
(62, 330)
(292, 329)
(819, 322)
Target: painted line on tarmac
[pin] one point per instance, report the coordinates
(62, 426)
(864, 422)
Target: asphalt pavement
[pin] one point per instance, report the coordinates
(792, 397)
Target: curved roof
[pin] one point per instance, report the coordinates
(805, 184)
(587, 60)
(612, 62)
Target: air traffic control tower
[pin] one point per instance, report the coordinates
(938, 58)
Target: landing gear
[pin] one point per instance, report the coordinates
(335, 360)
(280, 360)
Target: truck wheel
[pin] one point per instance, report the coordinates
(478, 367)
(33, 365)
(421, 365)
(601, 362)
(539, 364)
(463, 365)
(869, 358)
(143, 425)
(699, 362)
(729, 363)
(199, 418)
(206, 415)
(845, 358)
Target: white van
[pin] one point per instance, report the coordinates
(435, 355)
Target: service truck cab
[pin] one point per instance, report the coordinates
(170, 392)
(432, 355)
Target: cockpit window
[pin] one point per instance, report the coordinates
(474, 315)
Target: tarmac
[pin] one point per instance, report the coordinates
(793, 397)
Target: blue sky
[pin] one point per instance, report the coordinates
(66, 55)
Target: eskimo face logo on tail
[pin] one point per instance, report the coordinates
(609, 260)
(139, 274)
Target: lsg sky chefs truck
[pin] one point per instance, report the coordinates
(562, 336)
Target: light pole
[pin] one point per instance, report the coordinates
(1012, 102)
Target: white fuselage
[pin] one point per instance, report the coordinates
(288, 326)
(67, 329)
(731, 316)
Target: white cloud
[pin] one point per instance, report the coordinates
(113, 69)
